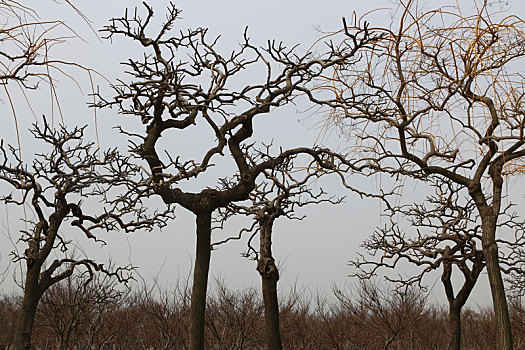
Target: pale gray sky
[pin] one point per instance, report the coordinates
(329, 236)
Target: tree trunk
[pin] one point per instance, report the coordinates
(489, 216)
(456, 303)
(26, 318)
(269, 276)
(454, 324)
(200, 281)
(490, 250)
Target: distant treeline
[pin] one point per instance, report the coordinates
(100, 314)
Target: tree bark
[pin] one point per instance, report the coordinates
(456, 303)
(269, 277)
(454, 324)
(200, 281)
(32, 293)
(490, 250)
(489, 216)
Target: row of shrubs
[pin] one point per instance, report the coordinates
(101, 314)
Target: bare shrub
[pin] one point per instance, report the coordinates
(234, 318)
(8, 315)
(368, 316)
(80, 311)
(161, 316)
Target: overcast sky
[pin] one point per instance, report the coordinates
(314, 252)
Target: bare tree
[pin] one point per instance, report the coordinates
(25, 42)
(438, 95)
(447, 235)
(185, 81)
(55, 186)
(282, 191)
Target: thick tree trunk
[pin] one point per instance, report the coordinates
(454, 324)
(489, 216)
(200, 281)
(269, 276)
(490, 250)
(26, 318)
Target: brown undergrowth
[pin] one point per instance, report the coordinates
(102, 315)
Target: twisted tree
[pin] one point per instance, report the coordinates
(440, 96)
(54, 186)
(185, 84)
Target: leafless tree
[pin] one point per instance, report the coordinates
(280, 193)
(25, 42)
(439, 96)
(184, 80)
(54, 186)
(448, 236)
